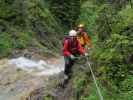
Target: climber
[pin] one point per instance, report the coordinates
(72, 48)
(83, 37)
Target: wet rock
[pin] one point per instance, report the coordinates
(19, 84)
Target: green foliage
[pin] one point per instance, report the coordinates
(88, 16)
(13, 12)
(107, 94)
(28, 15)
(79, 83)
(48, 97)
(113, 56)
(41, 19)
(111, 19)
(92, 95)
(113, 26)
(66, 11)
(112, 53)
(22, 40)
(19, 17)
(5, 44)
(126, 85)
(8, 42)
(117, 4)
(105, 20)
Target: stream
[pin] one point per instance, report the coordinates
(21, 77)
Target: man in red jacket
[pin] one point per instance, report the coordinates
(72, 48)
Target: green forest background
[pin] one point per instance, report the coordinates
(42, 24)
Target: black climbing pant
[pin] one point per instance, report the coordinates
(68, 68)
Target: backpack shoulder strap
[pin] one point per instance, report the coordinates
(66, 38)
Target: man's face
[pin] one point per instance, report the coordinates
(80, 29)
(74, 37)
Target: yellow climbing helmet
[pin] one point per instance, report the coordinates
(81, 25)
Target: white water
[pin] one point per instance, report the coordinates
(40, 67)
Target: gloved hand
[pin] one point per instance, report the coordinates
(72, 57)
(88, 48)
(86, 54)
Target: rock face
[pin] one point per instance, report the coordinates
(17, 82)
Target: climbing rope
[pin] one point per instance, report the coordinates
(95, 82)
(93, 75)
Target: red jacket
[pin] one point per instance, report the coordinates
(71, 47)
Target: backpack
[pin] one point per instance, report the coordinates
(81, 39)
(72, 44)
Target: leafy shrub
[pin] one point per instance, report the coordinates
(88, 16)
(65, 11)
(5, 44)
(23, 40)
(113, 52)
(127, 84)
